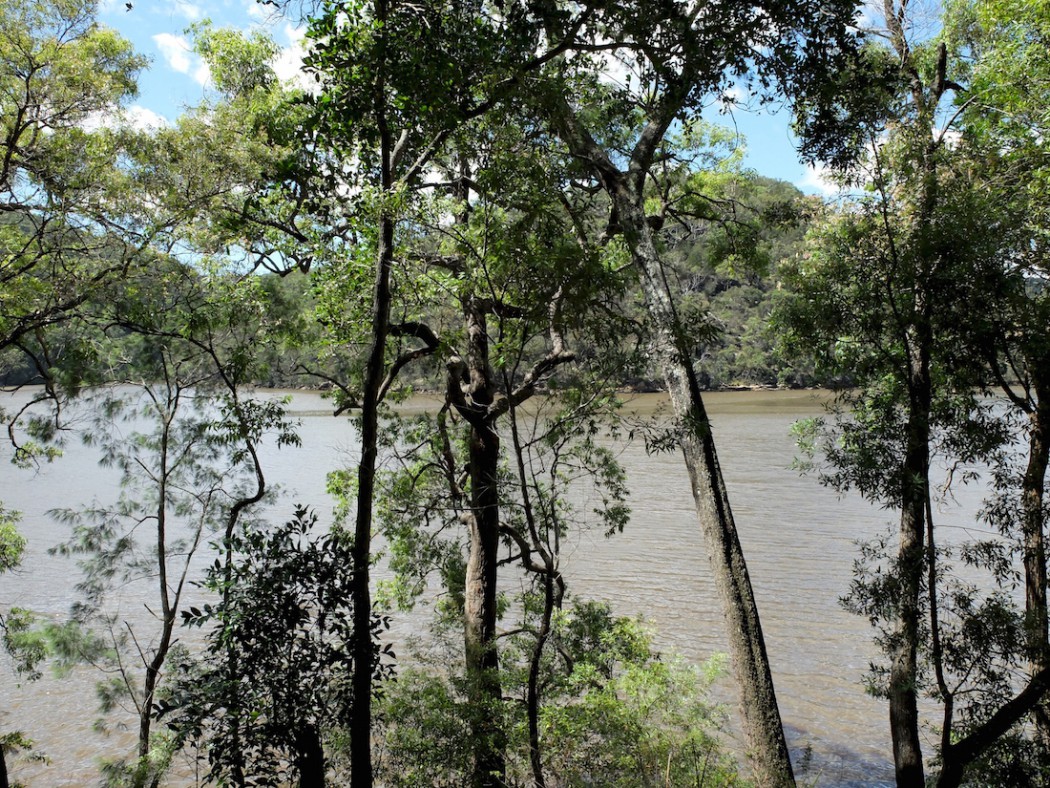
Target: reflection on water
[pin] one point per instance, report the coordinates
(799, 539)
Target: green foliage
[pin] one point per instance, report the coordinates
(263, 707)
(12, 743)
(147, 771)
(614, 713)
(59, 73)
(732, 236)
(12, 543)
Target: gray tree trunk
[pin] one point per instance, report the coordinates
(1032, 508)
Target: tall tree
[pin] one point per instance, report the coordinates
(675, 56)
(523, 281)
(896, 292)
(189, 468)
(1001, 46)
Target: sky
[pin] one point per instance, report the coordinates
(177, 78)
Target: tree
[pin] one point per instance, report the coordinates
(60, 240)
(481, 59)
(615, 713)
(189, 469)
(267, 708)
(896, 291)
(998, 45)
(676, 55)
(12, 547)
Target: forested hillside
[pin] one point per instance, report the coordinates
(726, 267)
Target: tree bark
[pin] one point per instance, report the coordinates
(903, 680)
(309, 759)
(767, 751)
(1033, 525)
(964, 752)
(479, 613)
(361, 772)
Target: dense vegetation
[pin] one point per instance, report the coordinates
(469, 201)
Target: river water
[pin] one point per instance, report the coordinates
(799, 539)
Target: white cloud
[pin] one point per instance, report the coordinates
(869, 15)
(175, 50)
(737, 93)
(144, 119)
(137, 117)
(618, 71)
(189, 10)
(202, 73)
(950, 137)
(178, 54)
(818, 178)
(288, 65)
(258, 11)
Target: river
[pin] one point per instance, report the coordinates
(799, 539)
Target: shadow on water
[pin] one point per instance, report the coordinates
(824, 763)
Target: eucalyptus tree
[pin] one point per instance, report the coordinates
(322, 182)
(998, 46)
(61, 74)
(902, 290)
(675, 57)
(500, 250)
(475, 56)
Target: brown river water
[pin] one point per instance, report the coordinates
(799, 539)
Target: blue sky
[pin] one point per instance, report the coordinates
(177, 78)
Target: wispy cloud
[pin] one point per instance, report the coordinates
(144, 119)
(175, 50)
(137, 117)
(189, 10)
(178, 54)
(258, 11)
(818, 178)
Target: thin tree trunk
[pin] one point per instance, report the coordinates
(361, 772)
(915, 491)
(533, 691)
(767, 748)
(363, 649)
(968, 749)
(1032, 503)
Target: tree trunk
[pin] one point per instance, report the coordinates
(1032, 502)
(479, 613)
(532, 699)
(361, 593)
(479, 607)
(361, 773)
(309, 758)
(903, 703)
(767, 747)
